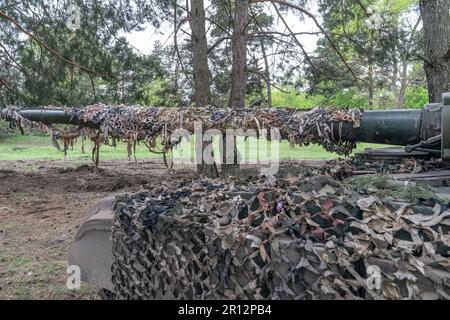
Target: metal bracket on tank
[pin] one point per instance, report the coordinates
(446, 126)
(430, 131)
(425, 146)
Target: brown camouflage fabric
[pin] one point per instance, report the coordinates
(148, 125)
(305, 238)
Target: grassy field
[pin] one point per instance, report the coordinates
(29, 147)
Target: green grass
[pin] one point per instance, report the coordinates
(20, 262)
(29, 147)
(382, 186)
(34, 147)
(294, 100)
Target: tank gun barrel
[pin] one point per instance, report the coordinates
(397, 127)
(426, 129)
(55, 116)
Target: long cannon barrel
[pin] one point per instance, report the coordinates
(426, 129)
(49, 116)
(396, 127)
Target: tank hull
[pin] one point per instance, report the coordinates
(91, 250)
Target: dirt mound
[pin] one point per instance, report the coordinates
(107, 183)
(84, 168)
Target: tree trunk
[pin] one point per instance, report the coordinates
(239, 44)
(403, 85)
(267, 74)
(202, 77)
(230, 164)
(405, 58)
(370, 80)
(370, 86)
(208, 170)
(395, 63)
(395, 76)
(262, 97)
(238, 77)
(394, 79)
(436, 18)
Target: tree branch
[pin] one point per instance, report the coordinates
(424, 59)
(5, 84)
(13, 59)
(51, 50)
(310, 15)
(311, 63)
(219, 41)
(257, 33)
(447, 55)
(177, 50)
(263, 76)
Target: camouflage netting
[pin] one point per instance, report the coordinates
(148, 124)
(305, 238)
(343, 168)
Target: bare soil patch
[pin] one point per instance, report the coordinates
(41, 206)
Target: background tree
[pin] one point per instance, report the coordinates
(231, 53)
(53, 63)
(201, 73)
(436, 17)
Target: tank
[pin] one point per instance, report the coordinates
(426, 130)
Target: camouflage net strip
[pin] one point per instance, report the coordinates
(308, 238)
(67, 135)
(148, 124)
